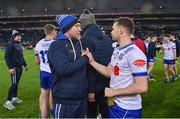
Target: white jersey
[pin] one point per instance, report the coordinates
(41, 51)
(128, 62)
(168, 50)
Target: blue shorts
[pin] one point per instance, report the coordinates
(118, 112)
(150, 59)
(169, 62)
(45, 80)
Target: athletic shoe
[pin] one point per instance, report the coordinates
(174, 79)
(16, 100)
(9, 105)
(167, 81)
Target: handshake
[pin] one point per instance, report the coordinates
(88, 54)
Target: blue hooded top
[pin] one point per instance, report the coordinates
(68, 74)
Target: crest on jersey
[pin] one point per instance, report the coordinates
(121, 56)
(116, 70)
(139, 62)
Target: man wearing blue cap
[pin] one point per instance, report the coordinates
(68, 65)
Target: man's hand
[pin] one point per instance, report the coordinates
(109, 92)
(110, 68)
(12, 71)
(91, 97)
(26, 68)
(89, 54)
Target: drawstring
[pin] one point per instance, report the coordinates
(74, 48)
(80, 45)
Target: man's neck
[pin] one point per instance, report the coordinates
(167, 41)
(124, 40)
(67, 35)
(49, 37)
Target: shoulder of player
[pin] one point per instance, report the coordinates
(39, 42)
(134, 51)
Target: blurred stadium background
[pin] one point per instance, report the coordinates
(30, 16)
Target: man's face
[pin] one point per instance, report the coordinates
(54, 34)
(166, 39)
(18, 38)
(172, 37)
(75, 31)
(148, 38)
(115, 32)
(154, 38)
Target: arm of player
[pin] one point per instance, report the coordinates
(162, 49)
(174, 52)
(140, 85)
(106, 71)
(37, 60)
(8, 56)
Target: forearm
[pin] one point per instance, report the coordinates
(135, 88)
(100, 68)
(174, 54)
(130, 90)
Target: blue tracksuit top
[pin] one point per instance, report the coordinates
(69, 76)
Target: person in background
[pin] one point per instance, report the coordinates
(169, 51)
(177, 42)
(15, 61)
(151, 54)
(41, 51)
(139, 43)
(101, 47)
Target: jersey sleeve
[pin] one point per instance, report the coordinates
(36, 50)
(174, 46)
(138, 63)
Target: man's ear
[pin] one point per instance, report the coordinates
(121, 30)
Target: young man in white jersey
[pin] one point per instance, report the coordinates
(169, 51)
(41, 51)
(128, 72)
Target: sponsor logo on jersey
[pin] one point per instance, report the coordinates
(139, 62)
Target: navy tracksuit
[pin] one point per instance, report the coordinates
(69, 77)
(14, 60)
(101, 47)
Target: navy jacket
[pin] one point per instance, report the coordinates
(14, 55)
(101, 47)
(177, 42)
(69, 76)
(151, 50)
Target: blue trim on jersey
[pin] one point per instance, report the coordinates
(47, 40)
(118, 112)
(120, 48)
(139, 74)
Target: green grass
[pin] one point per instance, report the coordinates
(162, 100)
